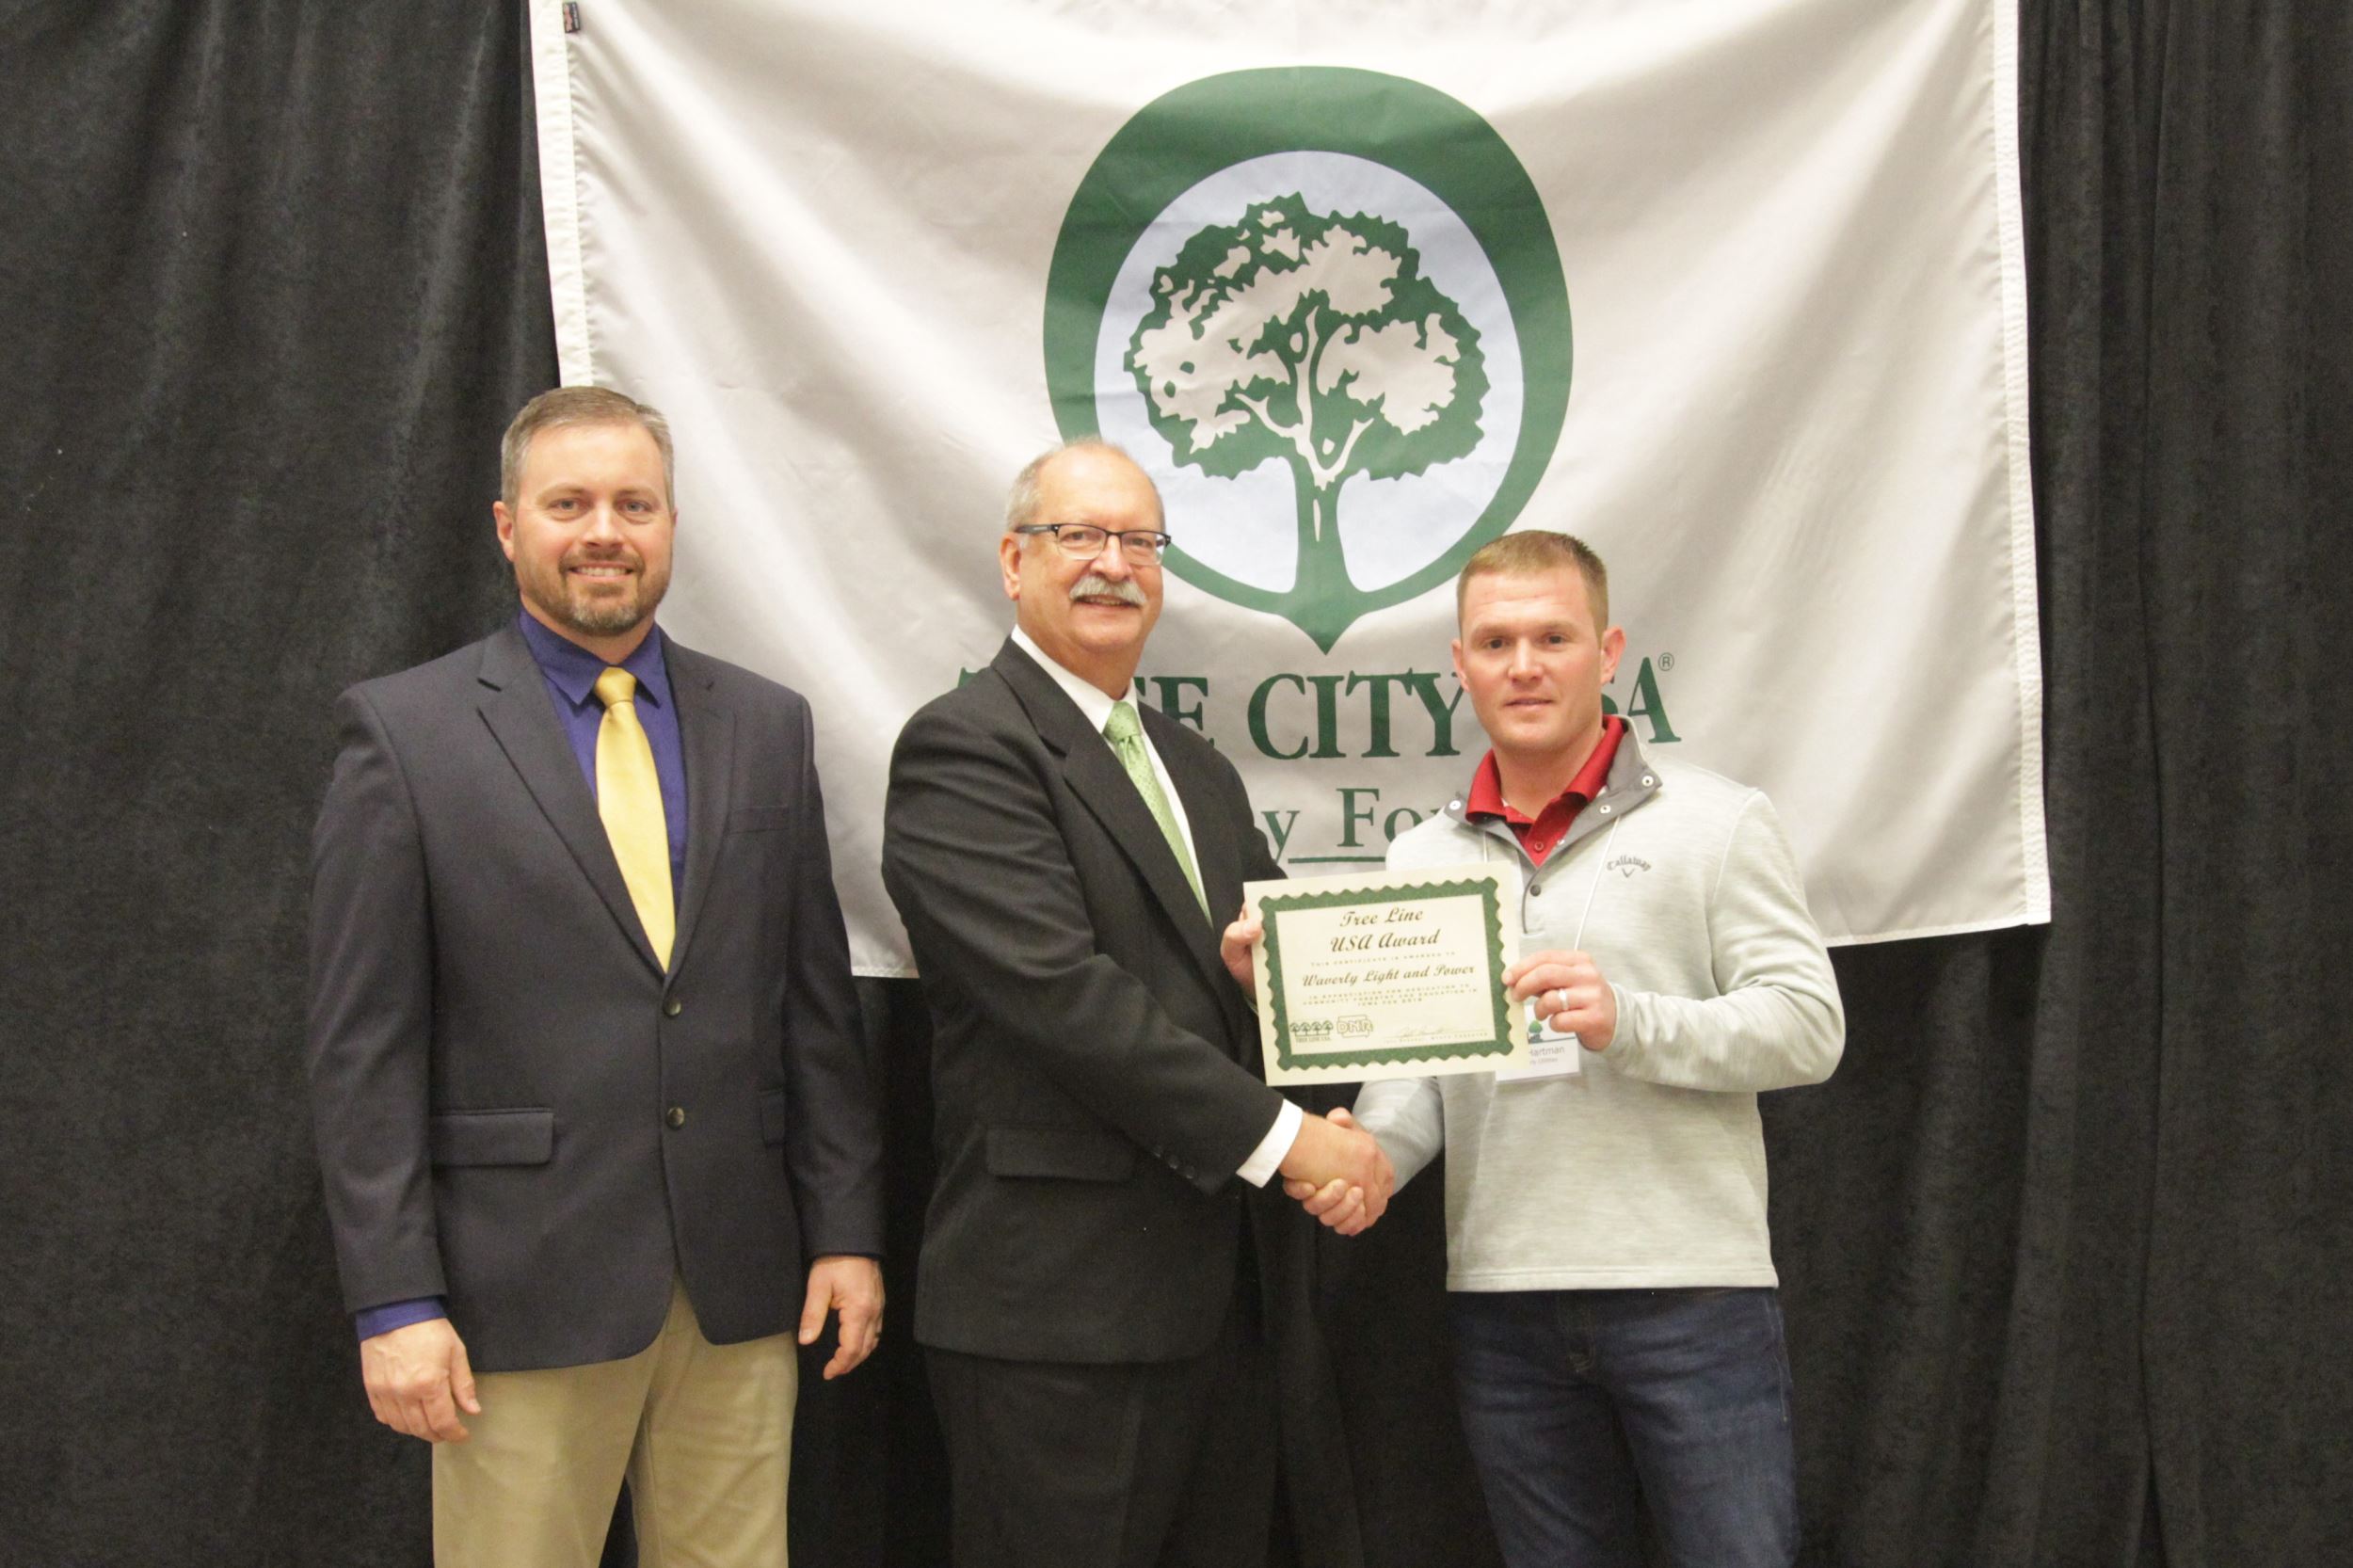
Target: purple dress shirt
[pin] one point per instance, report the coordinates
(571, 674)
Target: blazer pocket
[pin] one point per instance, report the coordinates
(759, 818)
(772, 1115)
(1071, 1154)
(493, 1137)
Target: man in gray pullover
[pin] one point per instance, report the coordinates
(1618, 1339)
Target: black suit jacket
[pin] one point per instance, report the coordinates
(1094, 1066)
(1092, 1059)
(516, 1108)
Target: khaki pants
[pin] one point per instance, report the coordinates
(703, 1432)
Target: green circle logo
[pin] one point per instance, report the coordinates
(1324, 309)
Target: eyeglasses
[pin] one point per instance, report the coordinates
(1140, 547)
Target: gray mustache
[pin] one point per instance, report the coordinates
(1093, 586)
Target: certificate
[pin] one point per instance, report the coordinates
(1397, 976)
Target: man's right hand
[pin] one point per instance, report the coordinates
(418, 1379)
(1237, 945)
(1338, 1166)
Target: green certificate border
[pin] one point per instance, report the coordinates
(1500, 1044)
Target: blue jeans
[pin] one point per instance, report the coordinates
(1585, 1408)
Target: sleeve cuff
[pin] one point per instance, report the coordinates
(373, 1321)
(1268, 1156)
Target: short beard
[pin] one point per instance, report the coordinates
(577, 610)
(606, 619)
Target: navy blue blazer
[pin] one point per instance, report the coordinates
(514, 1107)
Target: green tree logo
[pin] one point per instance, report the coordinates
(1341, 271)
(1315, 340)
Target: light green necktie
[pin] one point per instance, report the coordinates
(1127, 738)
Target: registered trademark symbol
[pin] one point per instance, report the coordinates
(1666, 660)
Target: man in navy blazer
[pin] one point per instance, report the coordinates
(598, 1147)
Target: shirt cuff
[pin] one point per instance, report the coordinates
(1268, 1156)
(373, 1321)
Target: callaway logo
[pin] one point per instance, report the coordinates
(1627, 865)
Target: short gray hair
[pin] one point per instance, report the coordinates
(1022, 501)
(562, 406)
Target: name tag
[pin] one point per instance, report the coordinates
(1551, 1053)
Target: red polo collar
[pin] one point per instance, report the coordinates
(1540, 834)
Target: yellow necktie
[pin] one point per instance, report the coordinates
(629, 798)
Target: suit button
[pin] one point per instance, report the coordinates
(675, 1115)
(672, 1007)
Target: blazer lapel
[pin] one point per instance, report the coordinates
(1217, 854)
(516, 707)
(1094, 776)
(706, 735)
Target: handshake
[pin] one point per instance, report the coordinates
(1334, 1169)
(1337, 1172)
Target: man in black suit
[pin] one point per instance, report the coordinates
(1105, 1359)
(599, 1137)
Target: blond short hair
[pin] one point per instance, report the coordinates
(581, 405)
(1533, 551)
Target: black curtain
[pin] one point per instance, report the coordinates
(274, 279)
(2058, 1244)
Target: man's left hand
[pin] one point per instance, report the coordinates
(852, 1286)
(1571, 995)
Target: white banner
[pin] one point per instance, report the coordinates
(1731, 289)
